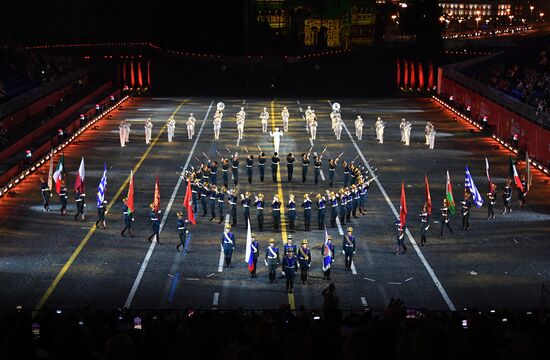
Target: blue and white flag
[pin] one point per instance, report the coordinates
(101, 187)
(469, 184)
(327, 253)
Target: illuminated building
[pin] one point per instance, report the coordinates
(494, 8)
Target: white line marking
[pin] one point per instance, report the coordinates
(364, 301)
(353, 270)
(192, 279)
(209, 275)
(139, 276)
(220, 264)
(369, 279)
(411, 238)
(216, 299)
(394, 283)
(409, 279)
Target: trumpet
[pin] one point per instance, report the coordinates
(220, 106)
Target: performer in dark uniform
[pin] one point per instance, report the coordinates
(225, 170)
(346, 173)
(289, 269)
(276, 213)
(195, 188)
(46, 194)
(466, 204)
(304, 261)
(80, 204)
(354, 200)
(101, 209)
(245, 202)
(290, 165)
(400, 239)
(445, 219)
(249, 164)
(261, 166)
(235, 169)
(155, 222)
(348, 248)
(333, 209)
(290, 244)
(214, 172)
(343, 207)
(272, 260)
(305, 164)
(274, 166)
(317, 164)
(492, 196)
(331, 171)
(424, 224)
(204, 192)
(349, 205)
(221, 204)
(227, 244)
(291, 207)
(63, 198)
(182, 231)
(522, 193)
(507, 196)
(328, 249)
(255, 253)
(320, 211)
(233, 197)
(259, 203)
(307, 212)
(213, 202)
(128, 217)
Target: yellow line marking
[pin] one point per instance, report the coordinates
(84, 241)
(280, 193)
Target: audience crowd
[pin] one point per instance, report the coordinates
(396, 333)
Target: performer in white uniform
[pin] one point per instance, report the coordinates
(407, 132)
(122, 133)
(402, 129)
(171, 128)
(285, 115)
(264, 116)
(241, 114)
(380, 125)
(190, 126)
(308, 114)
(148, 130)
(431, 137)
(127, 126)
(338, 127)
(217, 125)
(240, 127)
(313, 128)
(276, 135)
(359, 128)
(427, 132)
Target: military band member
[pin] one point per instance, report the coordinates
(343, 207)
(354, 200)
(402, 129)
(221, 203)
(190, 123)
(246, 202)
(225, 171)
(205, 193)
(272, 260)
(127, 217)
(127, 127)
(195, 189)
(255, 253)
(264, 116)
(213, 167)
(346, 167)
(522, 192)
(63, 198)
(349, 205)
(320, 211)
(233, 197)
(289, 246)
(290, 165)
(492, 196)
(249, 164)
(333, 209)
(424, 224)
(235, 169)
(275, 165)
(122, 133)
(80, 200)
(171, 128)
(46, 193)
(261, 166)
(155, 223)
(276, 135)
(182, 231)
(259, 203)
(507, 196)
(407, 132)
(305, 164)
(445, 219)
(307, 212)
(148, 130)
(328, 249)
(291, 208)
(466, 204)
(359, 128)
(331, 171)
(290, 263)
(101, 210)
(400, 239)
(240, 127)
(285, 115)
(348, 248)
(227, 245)
(304, 261)
(313, 124)
(213, 197)
(217, 123)
(276, 213)
(338, 124)
(380, 125)
(363, 193)
(317, 167)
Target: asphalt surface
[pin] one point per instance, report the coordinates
(51, 261)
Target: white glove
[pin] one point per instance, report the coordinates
(343, 252)
(265, 262)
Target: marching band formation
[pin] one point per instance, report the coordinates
(216, 198)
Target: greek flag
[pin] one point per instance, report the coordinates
(469, 184)
(101, 187)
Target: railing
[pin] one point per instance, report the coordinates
(36, 94)
(523, 109)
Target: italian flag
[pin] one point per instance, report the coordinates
(449, 195)
(514, 174)
(58, 174)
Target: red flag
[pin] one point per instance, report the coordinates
(428, 195)
(156, 200)
(79, 183)
(403, 207)
(514, 175)
(187, 204)
(488, 175)
(131, 194)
